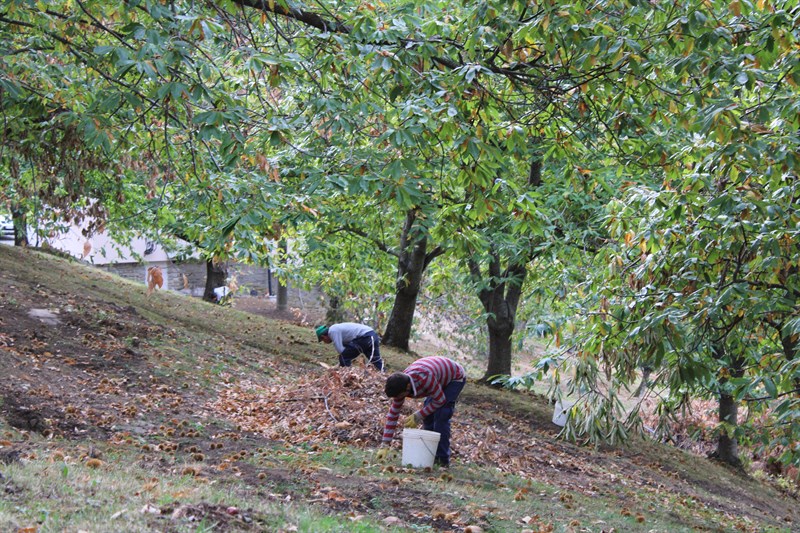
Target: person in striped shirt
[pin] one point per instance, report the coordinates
(438, 379)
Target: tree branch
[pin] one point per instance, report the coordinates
(762, 398)
(306, 17)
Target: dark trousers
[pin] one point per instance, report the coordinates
(369, 345)
(439, 420)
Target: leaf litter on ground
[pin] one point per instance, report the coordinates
(348, 405)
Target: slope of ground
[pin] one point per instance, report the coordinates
(125, 412)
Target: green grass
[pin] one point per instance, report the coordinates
(59, 492)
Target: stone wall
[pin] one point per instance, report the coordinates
(251, 280)
(173, 274)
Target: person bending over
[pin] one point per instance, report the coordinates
(351, 340)
(438, 379)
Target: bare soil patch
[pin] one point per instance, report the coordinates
(267, 307)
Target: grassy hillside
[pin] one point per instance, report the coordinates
(123, 412)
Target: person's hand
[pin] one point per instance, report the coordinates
(413, 421)
(382, 454)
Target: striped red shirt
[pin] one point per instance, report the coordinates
(429, 376)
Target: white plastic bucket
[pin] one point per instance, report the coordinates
(561, 411)
(419, 447)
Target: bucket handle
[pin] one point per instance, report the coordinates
(429, 450)
(425, 443)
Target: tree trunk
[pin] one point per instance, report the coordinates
(410, 268)
(727, 446)
(412, 261)
(216, 276)
(401, 319)
(500, 331)
(501, 293)
(334, 314)
(500, 298)
(282, 302)
(20, 226)
(789, 343)
(646, 371)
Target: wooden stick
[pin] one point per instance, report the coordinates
(303, 399)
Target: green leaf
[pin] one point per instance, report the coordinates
(770, 387)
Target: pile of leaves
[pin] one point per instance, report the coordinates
(348, 405)
(338, 405)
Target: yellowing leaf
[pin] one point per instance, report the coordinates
(673, 107)
(629, 238)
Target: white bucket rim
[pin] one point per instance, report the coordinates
(421, 433)
(561, 411)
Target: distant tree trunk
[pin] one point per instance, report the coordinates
(20, 226)
(216, 276)
(282, 302)
(334, 314)
(646, 371)
(500, 298)
(789, 343)
(412, 261)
